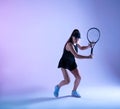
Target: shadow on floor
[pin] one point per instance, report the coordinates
(33, 100)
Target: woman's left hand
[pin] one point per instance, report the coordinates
(91, 44)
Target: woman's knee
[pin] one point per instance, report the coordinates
(67, 81)
(76, 74)
(78, 77)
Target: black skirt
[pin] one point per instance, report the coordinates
(67, 61)
(67, 64)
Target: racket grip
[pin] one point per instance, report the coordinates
(91, 51)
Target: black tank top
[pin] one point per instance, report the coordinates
(67, 60)
(68, 54)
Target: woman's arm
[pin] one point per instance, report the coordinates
(70, 48)
(83, 47)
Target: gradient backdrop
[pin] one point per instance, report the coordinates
(32, 36)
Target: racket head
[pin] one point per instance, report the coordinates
(93, 35)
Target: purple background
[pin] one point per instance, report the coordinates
(33, 33)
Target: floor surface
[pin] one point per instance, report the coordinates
(91, 98)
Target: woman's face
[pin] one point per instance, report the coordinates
(75, 40)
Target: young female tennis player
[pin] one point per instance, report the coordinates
(67, 61)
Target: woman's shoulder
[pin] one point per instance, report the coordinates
(69, 44)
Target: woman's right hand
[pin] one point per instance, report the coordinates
(91, 56)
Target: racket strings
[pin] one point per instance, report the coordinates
(93, 35)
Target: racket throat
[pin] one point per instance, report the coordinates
(91, 51)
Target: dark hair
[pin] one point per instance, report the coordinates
(75, 34)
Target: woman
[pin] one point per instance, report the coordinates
(67, 61)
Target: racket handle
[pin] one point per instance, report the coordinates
(91, 51)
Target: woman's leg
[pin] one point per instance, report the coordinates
(63, 82)
(66, 78)
(76, 74)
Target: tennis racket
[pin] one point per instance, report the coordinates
(93, 36)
